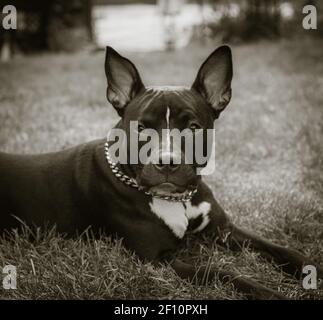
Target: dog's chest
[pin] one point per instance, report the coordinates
(177, 215)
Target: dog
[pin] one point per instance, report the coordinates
(150, 206)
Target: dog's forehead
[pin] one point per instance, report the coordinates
(178, 101)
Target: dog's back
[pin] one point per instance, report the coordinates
(40, 189)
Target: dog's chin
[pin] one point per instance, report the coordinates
(167, 188)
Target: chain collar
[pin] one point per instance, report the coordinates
(187, 196)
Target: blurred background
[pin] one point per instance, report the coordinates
(148, 25)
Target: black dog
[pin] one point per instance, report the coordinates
(149, 205)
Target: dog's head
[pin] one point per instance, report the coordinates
(191, 111)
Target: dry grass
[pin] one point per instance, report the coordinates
(269, 175)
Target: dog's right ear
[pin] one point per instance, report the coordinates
(213, 80)
(124, 81)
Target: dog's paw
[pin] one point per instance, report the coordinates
(256, 291)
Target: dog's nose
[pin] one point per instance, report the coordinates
(168, 162)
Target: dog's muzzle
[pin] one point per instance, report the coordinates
(165, 191)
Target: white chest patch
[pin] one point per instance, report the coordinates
(193, 212)
(172, 213)
(176, 216)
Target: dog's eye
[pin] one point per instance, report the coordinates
(194, 126)
(141, 127)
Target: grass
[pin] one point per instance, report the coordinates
(269, 175)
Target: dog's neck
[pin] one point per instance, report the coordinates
(127, 168)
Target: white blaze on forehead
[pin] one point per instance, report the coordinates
(167, 117)
(176, 216)
(168, 133)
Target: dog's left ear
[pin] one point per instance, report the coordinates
(124, 81)
(214, 78)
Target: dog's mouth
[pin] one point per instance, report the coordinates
(169, 189)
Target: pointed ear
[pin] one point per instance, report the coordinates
(213, 80)
(124, 81)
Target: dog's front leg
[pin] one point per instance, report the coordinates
(291, 261)
(226, 233)
(203, 275)
(220, 227)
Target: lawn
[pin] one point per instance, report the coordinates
(268, 178)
